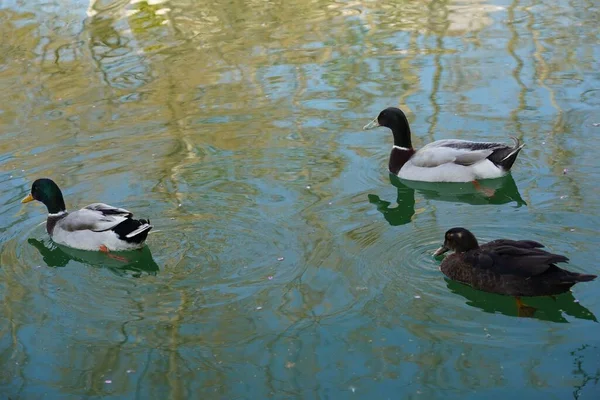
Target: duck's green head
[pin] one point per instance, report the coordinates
(458, 239)
(395, 119)
(48, 192)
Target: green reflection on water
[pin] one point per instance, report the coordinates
(499, 191)
(547, 308)
(137, 262)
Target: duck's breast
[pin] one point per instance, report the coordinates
(456, 269)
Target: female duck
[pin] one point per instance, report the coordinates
(94, 227)
(449, 160)
(510, 267)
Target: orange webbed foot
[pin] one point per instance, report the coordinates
(487, 192)
(524, 310)
(105, 250)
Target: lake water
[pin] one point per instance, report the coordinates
(284, 262)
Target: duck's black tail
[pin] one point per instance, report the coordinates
(570, 278)
(585, 277)
(133, 230)
(505, 157)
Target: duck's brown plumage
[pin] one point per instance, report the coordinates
(509, 267)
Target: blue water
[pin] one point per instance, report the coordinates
(284, 261)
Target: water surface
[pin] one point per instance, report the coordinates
(285, 262)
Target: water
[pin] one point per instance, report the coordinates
(284, 262)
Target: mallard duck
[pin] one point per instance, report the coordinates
(94, 227)
(449, 160)
(509, 267)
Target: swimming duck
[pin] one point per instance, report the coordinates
(509, 267)
(97, 226)
(449, 160)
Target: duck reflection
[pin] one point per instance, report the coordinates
(401, 214)
(136, 262)
(546, 308)
(492, 191)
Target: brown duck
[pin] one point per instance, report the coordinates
(509, 267)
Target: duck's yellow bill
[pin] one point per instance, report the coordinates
(28, 198)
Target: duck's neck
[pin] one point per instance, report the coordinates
(56, 211)
(55, 204)
(469, 246)
(402, 137)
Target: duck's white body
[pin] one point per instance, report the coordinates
(92, 240)
(450, 160)
(451, 172)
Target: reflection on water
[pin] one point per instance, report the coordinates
(137, 262)
(236, 128)
(547, 308)
(583, 356)
(405, 209)
(497, 191)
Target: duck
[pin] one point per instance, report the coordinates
(448, 160)
(96, 227)
(518, 268)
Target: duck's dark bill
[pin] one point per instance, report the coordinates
(440, 251)
(371, 125)
(27, 198)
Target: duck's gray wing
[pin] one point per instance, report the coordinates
(95, 217)
(107, 209)
(461, 152)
